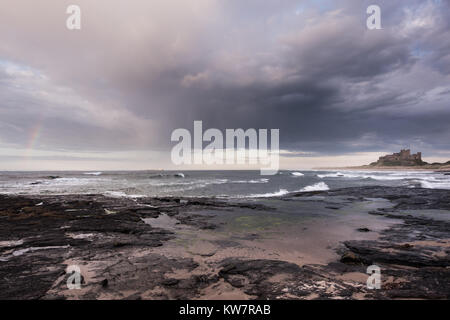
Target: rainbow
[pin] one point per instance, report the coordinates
(34, 135)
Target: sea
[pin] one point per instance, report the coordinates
(219, 184)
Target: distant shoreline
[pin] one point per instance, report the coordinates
(391, 168)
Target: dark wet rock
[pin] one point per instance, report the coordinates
(254, 275)
(405, 246)
(264, 267)
(46, 231)
(403, 198)
(147, 213)
(417, 283)
(334, 207)
(43, 237)
(350, 257)
(374, 252)
(53, 177)
(196, 220)
(273, 279)
(364, 229)
(148, 272)
(170, 282)
(29, 277)
(410, 252)
(104, 283)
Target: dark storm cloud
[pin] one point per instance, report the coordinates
(137, 70)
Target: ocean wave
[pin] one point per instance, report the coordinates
(320, 186)
(398, 177)
(93, 173)
(121, 194)
(410, 173)
(337, 175)
(263, 180)
(189, 183)
(435, 185)
(166, 175)
(280, 193)
(297, 174)
(159, 176)
(385, 176)
(65, 182)
(177, 183)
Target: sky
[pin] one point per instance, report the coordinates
(108, 96)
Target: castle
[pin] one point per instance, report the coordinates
(402, 158)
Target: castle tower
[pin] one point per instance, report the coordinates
(403, 158)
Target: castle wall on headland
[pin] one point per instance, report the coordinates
(402, 158)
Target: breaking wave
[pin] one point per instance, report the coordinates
(435, 184)
(120, 194)
(93, 173)
(381, 176)
(263, 180)
(321, 186)
(297, 174)
(280, 193)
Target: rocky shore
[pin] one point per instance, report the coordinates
(122, 254)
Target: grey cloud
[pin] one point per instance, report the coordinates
(311, 69)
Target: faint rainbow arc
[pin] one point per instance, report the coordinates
(34, 135)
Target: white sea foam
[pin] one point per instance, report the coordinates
(263, 180)
(115, 194)
(297, 174)
(426, 179)
(193, 185)
(188, 183)
(378, 175)
(32, 249)
(339, 175)
(121, 194)
(280, 193)
(93, 173)
(67, 182)
(409, 173)
(53, 186)
(435, 185)
(320, 186)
